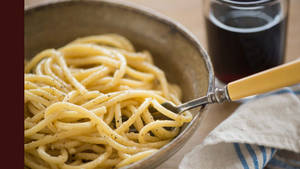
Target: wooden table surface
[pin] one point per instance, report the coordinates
(189, 13)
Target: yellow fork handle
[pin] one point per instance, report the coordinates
(268, 80)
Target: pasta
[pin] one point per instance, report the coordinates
(86, 105)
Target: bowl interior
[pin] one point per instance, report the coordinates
(173, 49)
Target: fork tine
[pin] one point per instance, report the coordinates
(170, 107)
(165, 105)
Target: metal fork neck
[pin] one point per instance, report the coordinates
(218, 96)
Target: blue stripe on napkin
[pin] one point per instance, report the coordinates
(240, 155)
(272, 152)
(253, 155)
(263, 151)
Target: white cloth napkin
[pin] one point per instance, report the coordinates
(249, 138)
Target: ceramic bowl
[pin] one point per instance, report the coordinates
(174, 48)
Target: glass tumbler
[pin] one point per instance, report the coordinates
(245, 36)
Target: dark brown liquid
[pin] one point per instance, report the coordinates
(246, 45)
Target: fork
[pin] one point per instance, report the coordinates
(262, 82)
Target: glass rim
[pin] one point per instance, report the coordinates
(247, 3)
